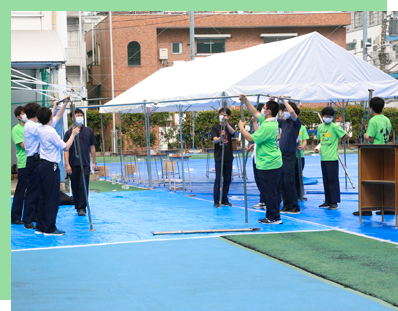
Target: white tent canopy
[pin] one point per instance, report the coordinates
(310, 68)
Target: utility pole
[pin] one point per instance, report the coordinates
(192, 46)
(114, 139)
(365, 36)
(383, 42)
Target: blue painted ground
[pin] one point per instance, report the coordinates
(194, 275)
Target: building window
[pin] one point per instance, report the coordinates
(210, 46)
(176, 48)
(358, 19)
(273, 39)
(369, 40)
(351, 46)
(134, 54)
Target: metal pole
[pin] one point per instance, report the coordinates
(121, 146)
(192, 34)
(182, 149)
(80, 48)
(365, 36)
(114, 146)
(242, 102)
(148, 146)
(251, 128)
(193, 130)
(344, 143)
(92, 42)
(383, 42)
(103, 144)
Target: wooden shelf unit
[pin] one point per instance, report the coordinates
(378, 179)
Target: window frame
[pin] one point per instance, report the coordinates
(129, 58)
(180, 48)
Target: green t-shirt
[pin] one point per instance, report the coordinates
(268, 154)
(303, 136)
(379, 128)
(17, 137)
(329, 135)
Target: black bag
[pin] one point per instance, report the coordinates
(65, 199)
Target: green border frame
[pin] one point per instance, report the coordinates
(5, 157)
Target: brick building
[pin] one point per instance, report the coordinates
(139, 38)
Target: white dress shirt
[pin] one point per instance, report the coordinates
(51, 144)
(31, 138)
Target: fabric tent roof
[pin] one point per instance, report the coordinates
(310, 68)
(36, 48)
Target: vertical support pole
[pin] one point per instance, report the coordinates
(103, 144)
(243, 155)
(363, 120)
(344, 143)
(114, 140)
(121, 146)
(192, 34)
(193, 130)
(222, 142)
(251, 127)
(80, 49)
(148, 146)
(182, 149)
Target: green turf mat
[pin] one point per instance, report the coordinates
(366, 265)
(106, 186)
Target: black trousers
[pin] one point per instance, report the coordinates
(286, 184)
(297, 175)
(33, 189)
(331, 183)
(258, 183)
(269, 182)
(19, 195)
(49, 198)
(78, 187)
(227, 178)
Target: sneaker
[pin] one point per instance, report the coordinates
(333, 206)
(259, 205)
(227, 204)
(56, 233)
(385, 213)
(325, 204)
(266, 221)
(217, 205)
(285, 209)
(367, 213)
(39, 232)
(29, 226)
(81, 212)
(293, 210)
(17, 222)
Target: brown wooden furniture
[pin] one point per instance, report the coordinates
(378, 179)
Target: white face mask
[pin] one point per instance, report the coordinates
(286, 114)
(24, 118)
(221, 118)
(327, 119)
(79, 120)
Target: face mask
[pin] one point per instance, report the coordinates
(327, 119)
(79, 120)
(24, 118)
(287, 115)
(263, 113)
(221, 118)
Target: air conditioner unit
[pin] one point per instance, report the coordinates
(163, 54)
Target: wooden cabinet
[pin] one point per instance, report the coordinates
(378, 179)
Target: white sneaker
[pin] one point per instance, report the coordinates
(259, 205)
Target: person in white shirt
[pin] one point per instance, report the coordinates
(31, 140)
(51, 146)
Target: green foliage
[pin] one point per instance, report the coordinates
(392, 114)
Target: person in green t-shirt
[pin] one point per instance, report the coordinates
(302, 142)
(378, 132)
(18, 139)
(268, 156)
(329, 134)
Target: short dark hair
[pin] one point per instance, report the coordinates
(228, 111)
(18, 111)
(327, 111)
(377, 104)
(295, 108)
(44, 115)
(31, 110)
(78, 111)
(273, 106)
(260, 106)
